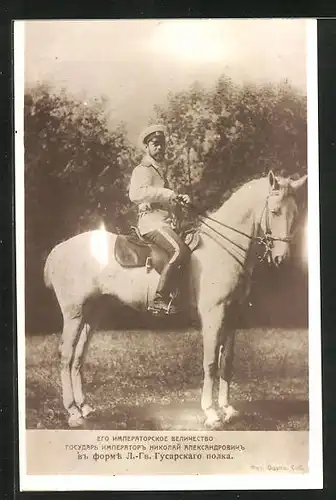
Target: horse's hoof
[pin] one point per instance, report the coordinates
(87, 410)
(229, 413)
(75, 417)
(75, 421)
(213, 425)
(213, 421)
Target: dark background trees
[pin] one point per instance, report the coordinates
(76, 174)
(230, 134)
(78, 165)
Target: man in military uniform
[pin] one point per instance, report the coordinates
(149, 190)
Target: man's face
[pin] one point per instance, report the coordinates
(156, 148)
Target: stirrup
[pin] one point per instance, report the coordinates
(172, 309)
(163, 308)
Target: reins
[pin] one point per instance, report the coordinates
(267, 240)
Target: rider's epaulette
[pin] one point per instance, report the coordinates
(145, 162)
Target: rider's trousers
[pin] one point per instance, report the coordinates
(178, 256)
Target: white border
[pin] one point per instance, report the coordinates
(312, 480)
(315, 369)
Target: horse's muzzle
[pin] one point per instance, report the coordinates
(280, 252)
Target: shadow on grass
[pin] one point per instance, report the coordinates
(260, 415)
(263, 415)
(150, 417)
(271, 415)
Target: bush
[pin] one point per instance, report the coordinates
(76, 175)
(221, 138)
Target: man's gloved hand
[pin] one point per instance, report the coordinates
(184, 199)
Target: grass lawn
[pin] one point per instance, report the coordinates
(143, 379)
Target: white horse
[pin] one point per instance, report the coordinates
(262, 211)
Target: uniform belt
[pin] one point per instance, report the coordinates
(152, 206)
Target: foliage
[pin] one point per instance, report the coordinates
(76, 168)
(222, 137)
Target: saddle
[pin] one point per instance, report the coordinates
(133, 251)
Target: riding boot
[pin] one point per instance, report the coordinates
(162, 300)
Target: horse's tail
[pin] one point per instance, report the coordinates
(46, 274)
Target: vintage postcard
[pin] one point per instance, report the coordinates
(167, 235)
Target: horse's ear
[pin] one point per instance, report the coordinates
(274, 184)
(297, 184)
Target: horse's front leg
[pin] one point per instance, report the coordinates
(226, 356)
(225, 372)
(212, 320)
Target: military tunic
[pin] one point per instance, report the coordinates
(148, 191)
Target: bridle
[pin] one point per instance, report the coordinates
(266, 240)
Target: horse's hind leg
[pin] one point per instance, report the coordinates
(76, 370)
(71, 330)
(225, 372)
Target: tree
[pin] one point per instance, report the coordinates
(222, 137)
(76, 168)
(76, 174)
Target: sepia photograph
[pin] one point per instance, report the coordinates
(166, 173)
